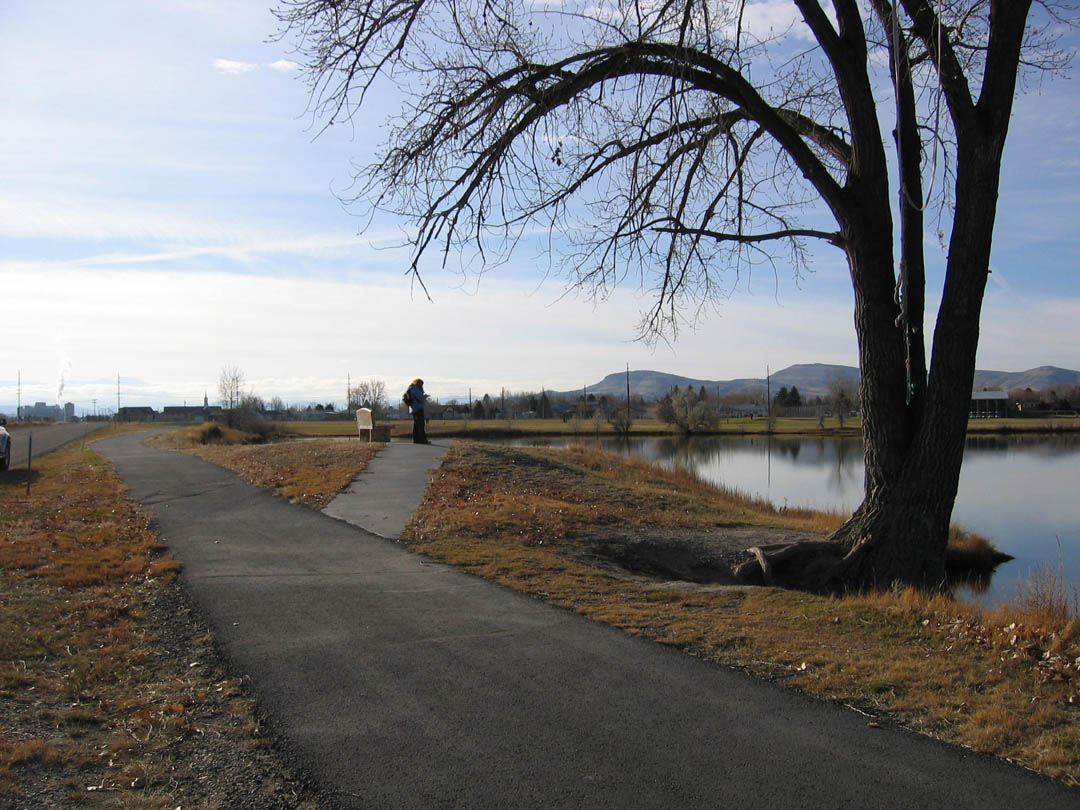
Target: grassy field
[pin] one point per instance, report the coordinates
(110, 693)
(545, 522)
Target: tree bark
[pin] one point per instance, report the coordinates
(899, 533)
(915, 442)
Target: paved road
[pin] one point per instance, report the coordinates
(46, 438)
(405, 684)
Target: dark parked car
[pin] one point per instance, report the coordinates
(5, 446)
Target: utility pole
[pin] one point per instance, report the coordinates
(348, 392)
(768, 391)
(118, 395)
(627, 393)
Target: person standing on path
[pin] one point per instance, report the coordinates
(417, 398)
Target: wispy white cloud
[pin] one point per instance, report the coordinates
(160, 232)
(311, 245)
(170, 221)
(78, 217)
(283, 66)
(299, 337)
(231, 67)
(175, 330)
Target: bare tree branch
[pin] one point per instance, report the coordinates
(833, 237)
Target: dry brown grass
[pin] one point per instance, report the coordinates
(584, 428)
(209, 434)
(1003, 681)
(579, 428)
(307, 471)
(1045, 599)
(93, 707)
(538, 493)
(971, 551)
(1065, 424)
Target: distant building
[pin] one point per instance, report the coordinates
(185, 413)
(989, 404)
(39, 411)
(69, 411)
(136, 414)
(745, 409)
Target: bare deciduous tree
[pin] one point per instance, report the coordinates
(231, 387)
(842, 395)
(691, 415)
(674, 148)
(369, 394)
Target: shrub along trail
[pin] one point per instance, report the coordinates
(403, 683)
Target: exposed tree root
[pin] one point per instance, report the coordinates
(812, 565)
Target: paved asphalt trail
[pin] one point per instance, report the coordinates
(382, 498)
(406, 684)
(46, 438)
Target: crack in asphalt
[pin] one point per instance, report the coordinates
(159, 497)
(459, 637)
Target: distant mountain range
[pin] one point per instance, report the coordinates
(812, 379)
(1043, 378)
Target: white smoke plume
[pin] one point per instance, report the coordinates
(63, 371)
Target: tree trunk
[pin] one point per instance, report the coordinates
(899, 533)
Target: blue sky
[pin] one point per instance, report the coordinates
(166, 209)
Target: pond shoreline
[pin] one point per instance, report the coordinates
(653, 428)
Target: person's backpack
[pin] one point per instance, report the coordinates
(406, 399)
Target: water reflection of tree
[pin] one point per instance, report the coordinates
(790, 448)
(840, 459)
(847, 469)
(691, 452)
(966, 580)
(647, 449)
(987, 444)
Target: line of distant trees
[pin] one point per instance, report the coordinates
(695, 410)
(1032, 401)
(240, 403)
(690, 409)
(540, 405)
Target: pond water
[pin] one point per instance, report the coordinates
(1021, 492)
